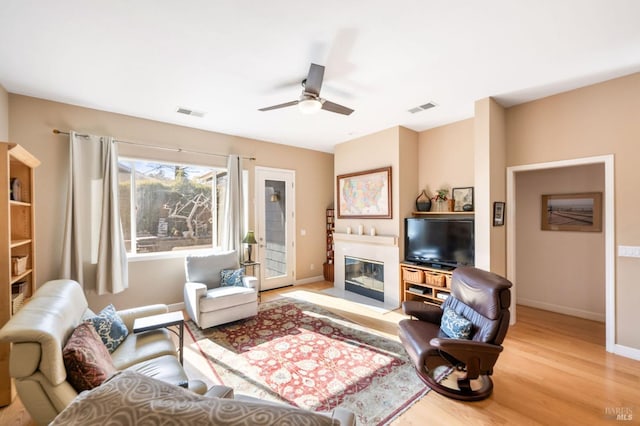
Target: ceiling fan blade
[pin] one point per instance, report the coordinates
(284, 105)
(313, 83)
(333, 107)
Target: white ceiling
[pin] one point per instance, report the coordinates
(228, 58)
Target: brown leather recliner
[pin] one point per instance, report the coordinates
(455, 367)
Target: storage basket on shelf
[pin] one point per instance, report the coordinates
(413, 275)
(17, 296)
(18, 264)
(17, 300)
(434, 279)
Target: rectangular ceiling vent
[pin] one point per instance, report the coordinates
(426, 106)
(187, 111)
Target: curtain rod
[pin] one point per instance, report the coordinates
(60, 132)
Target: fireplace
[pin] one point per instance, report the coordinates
(364, 276)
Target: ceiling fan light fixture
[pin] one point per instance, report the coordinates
(310, 101)
(309, 105)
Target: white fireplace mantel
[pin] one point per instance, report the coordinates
(380, 248)
(385, 240)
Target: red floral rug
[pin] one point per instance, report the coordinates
(302, 354)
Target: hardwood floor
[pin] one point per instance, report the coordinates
(554, 370)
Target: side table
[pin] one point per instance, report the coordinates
(255, 272)
(167, 320)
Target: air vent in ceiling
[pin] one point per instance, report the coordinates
(187, 111)
(426, 106)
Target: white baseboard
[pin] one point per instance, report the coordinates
(309, 280)
(594, 316)
(176, 307)
(627, 352)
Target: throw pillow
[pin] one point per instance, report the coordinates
(455, 325)
(231, 277)
(110, 327)
(86, 359)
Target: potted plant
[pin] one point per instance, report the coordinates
(440, 200)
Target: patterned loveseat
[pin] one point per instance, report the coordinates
(132, 398)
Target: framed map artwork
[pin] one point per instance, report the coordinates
(365, 194)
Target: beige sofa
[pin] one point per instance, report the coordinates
(40, 329)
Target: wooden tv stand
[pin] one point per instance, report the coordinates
(429, 285)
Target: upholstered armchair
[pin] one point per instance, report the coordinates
(211, 300)
(455, 347)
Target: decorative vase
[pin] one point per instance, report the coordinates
(423, 202)
(450, 205)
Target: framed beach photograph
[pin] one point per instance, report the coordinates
(462, 199)
(365, 194)
(498, 213)
(572, 212)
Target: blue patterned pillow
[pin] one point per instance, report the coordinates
(231, 277)
(455, 325)
(110, 327)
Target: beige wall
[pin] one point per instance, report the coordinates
(446, 157)
(407, 179)
(595, 120)
(373, 151)
(490, 184)
(31, 123)
(498, 189)
(559, 271)
(4, 115)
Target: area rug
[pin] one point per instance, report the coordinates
(300, 353)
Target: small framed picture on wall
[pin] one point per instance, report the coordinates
(498, 213)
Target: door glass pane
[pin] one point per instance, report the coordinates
(275, 261)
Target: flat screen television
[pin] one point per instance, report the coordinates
(439, 242)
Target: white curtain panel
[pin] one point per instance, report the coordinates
(232, 232)
(94, 253)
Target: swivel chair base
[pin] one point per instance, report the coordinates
(448, 381)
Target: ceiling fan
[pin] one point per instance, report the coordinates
(310, 100)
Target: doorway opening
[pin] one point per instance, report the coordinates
(608, 229)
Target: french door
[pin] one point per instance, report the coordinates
(275, 226)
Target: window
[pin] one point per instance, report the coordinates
(175, 206)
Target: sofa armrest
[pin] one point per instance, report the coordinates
(344, 416)
(129, 315)
(193, 292)
(251, 282)
(220, 391)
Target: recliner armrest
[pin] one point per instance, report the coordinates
(422, 311)
(478, 357)
(129, 315)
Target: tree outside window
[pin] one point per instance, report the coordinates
(175, 205)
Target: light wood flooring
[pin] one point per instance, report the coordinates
(554, 371)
